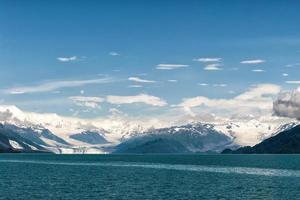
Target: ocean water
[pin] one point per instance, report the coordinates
(142, 177)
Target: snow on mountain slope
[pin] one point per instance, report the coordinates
(253, 131)
(115, 129)
(15, 144)
(189, 138)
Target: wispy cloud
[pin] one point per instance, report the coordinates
(258, 70)
(255, 61)
(67, 59)
(203, 84)
(113, 53)
(292, 65)
(213, 67)
(233, 69)
(94, 101)
(293, 82)
(139, 80)
(141, 98)
(135, 86)
(170, 66)
(172, 80)
(207, 59)
(54, 85)
(220, 85)
(285, 74)
(89, 102)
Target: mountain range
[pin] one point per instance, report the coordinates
(31, 132)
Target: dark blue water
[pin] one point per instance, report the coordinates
(136, 177)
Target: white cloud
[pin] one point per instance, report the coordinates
(203, 84)
(256, 61)
(141, 98)
(113, 53)
(89, 102)
(139, 80)
(285, 74)
(293, 82)
(213, 67)
(135, 86)
(255, 100)
(115, 111)
(207, 59)
(81, 91)
(220, 85)
(54, 85)
(170, 66)
(258, 70)
(94, 102)
(172, 81)
(67, 59)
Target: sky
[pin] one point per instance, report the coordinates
(141, 58)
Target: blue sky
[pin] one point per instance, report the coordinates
(78, 57)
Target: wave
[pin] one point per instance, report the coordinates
(180, 167)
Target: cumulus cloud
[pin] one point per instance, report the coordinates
(256, 61)
(287, 104)
(256, 98)
(89, 102)
(170, 66)
(213, 67)
(141, 98)
(139, 80)
(54, 85)
(67, 59)
(207, 59)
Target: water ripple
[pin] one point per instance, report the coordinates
(180, 167)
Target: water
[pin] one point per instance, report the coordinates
(135, 177)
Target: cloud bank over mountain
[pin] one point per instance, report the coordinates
(287, 104)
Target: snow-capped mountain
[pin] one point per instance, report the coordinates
(74, 135)
(190, 138)
(11, 141)
(253, 131)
